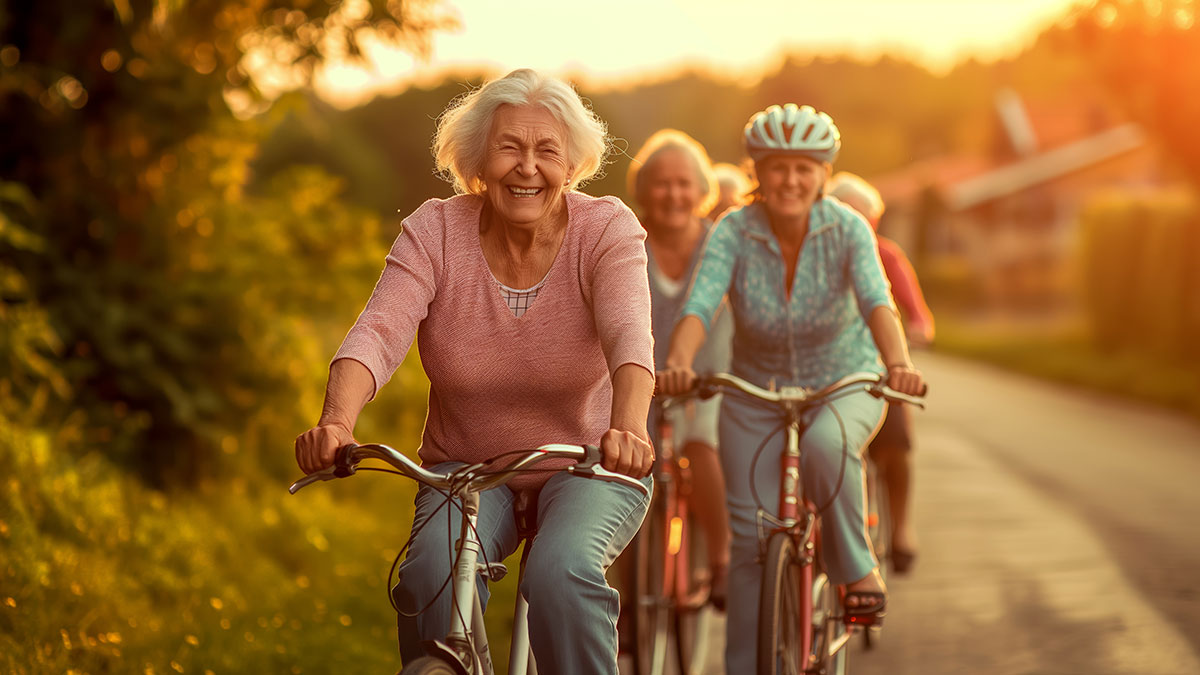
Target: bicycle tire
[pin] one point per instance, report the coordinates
(780, 646)
(428, 665)
(694, 582)
(781, 628)
(650, 616)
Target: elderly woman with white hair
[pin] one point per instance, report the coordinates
(530, 306)
(672, 180)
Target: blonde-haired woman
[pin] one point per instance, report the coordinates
(672, 181)
(533, 312)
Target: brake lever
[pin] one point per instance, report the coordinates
(328, 473)
(590, 468)
(705, 391)
(881, 390)
(343, 465)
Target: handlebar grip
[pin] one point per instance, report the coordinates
(343, 461)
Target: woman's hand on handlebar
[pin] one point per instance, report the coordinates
(316, 447)
(906, 379)
(626, 452)
(674, 380)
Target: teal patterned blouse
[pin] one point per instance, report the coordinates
(818, 335)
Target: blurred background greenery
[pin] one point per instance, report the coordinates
(183, 247)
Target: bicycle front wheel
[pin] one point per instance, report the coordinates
(693, 583)
(650, 618)
(784, 620)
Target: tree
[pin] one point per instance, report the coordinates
(155, 272)
(1148, 53)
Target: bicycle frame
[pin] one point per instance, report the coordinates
(465, 646)
(673, 469)
(798, 517)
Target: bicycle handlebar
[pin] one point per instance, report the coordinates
(472, 477)
(709, 386)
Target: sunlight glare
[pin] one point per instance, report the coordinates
(626, 40)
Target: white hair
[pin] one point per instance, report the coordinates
(733, 179)
(460, 142)
(857, 194)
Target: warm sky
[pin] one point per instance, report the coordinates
(610, 40)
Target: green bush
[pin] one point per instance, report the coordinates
(103, 574)
(1139, 261)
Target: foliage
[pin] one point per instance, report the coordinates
(102, 574)
(29, 375)
(167, 294)
(1148, 53)
(383, 151)
(1141, 273)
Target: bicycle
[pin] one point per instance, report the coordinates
(801, 625)
(464, 649)
(671, 582)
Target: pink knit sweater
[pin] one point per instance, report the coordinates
(497, 382)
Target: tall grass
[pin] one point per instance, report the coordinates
(101, 574)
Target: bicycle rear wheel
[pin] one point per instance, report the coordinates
(651, 608)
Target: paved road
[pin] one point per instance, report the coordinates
(1058, 535)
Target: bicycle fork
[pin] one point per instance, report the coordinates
(468, 644)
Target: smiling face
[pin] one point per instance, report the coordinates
(526, 167)
(788, 186)
(671, 192)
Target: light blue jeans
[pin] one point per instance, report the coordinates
(847, 551)
(583, 524)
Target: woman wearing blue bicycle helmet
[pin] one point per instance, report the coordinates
(810, 304)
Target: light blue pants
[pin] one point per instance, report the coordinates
(847, 550)
(583, 524)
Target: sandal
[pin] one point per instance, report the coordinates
(871, 608)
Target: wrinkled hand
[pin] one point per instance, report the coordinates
(626, 452)
(316, 447)
(674, 380)
(906, 380)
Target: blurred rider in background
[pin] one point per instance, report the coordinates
(733, 189)
(671, 180)
(891, 447)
